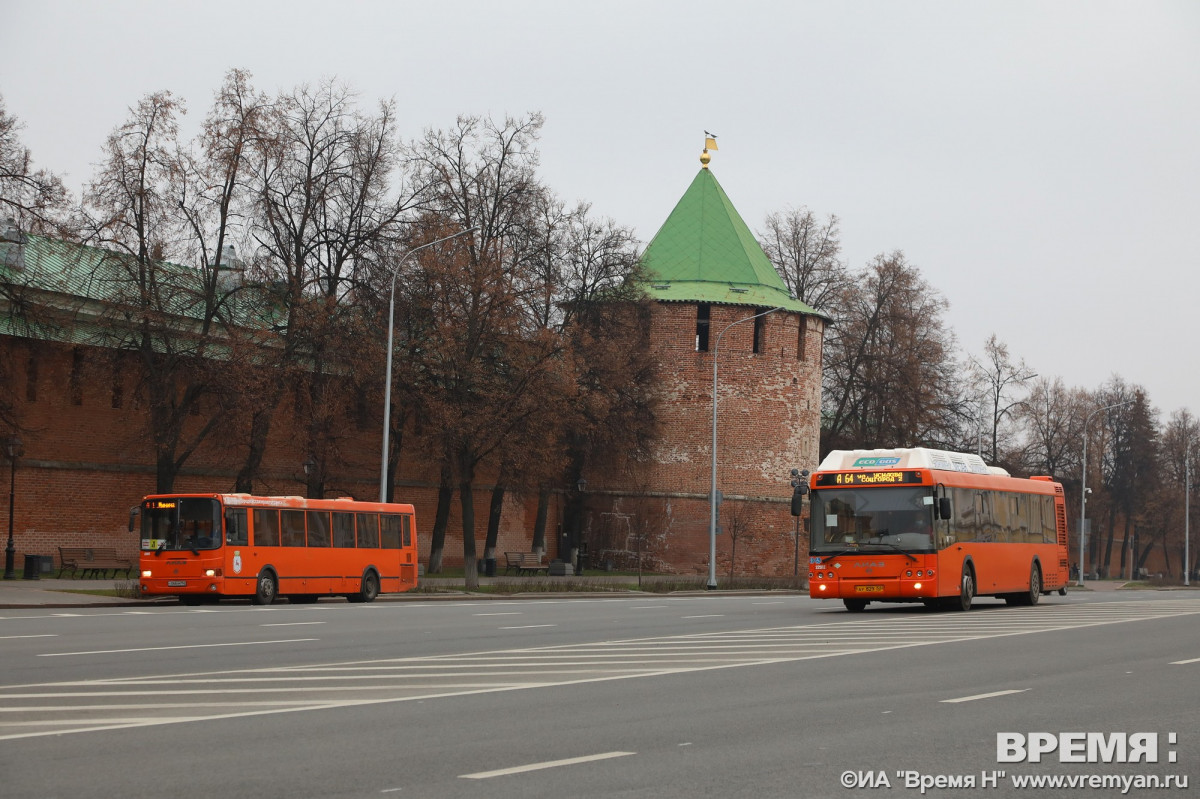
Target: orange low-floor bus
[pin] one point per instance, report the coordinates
(923, 525)
(206, 546)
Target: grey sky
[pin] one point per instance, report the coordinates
(1038, 161)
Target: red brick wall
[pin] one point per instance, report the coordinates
(768, 422)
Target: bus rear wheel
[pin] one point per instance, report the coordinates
(267, 589)
(369, 589)
(1035, 586)
(855, 605)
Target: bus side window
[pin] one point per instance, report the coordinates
(368, 530)
(966, 515)
(266, 527)
(406, 530)
(235, 527)
(343, 529)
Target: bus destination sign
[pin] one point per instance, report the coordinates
(896, 477)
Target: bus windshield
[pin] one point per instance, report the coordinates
(187, 524)
(873, 519)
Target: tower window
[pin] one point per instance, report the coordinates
(760, 333)
(703, 323)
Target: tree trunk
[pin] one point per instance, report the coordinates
(539, 522)
(466, 501)
(437, 541)
(495, 508)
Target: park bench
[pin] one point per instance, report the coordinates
(524, 563)
(97, 560)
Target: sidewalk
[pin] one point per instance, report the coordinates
(56, 593)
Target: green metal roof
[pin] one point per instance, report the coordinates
(704, 252)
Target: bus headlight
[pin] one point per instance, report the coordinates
(147, 573)
(917, 586)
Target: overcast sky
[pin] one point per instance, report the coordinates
(1039, 162)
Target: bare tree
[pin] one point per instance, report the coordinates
(36, 200)
(806, 252)
(997, 377)
(888, 368)
(165, 313)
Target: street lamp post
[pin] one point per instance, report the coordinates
(387, 380)
(1083, 491)
(14, 450)
(799, 489)
(712, 497)
(1187, 501)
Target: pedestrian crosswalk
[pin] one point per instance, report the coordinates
(93, 705)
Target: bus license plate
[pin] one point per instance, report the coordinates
(868, 589)
(176, 583)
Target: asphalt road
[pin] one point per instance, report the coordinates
(725, 696)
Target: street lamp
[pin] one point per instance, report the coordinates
(387, 380)
(712, 497)
(1083, 490)
(799, 489)
(13, 448)
(1187, 501)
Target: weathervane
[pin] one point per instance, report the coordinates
(710, 143)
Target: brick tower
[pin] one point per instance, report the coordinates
(719, 298)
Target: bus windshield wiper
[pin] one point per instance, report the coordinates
(839, 554)
(893, 546)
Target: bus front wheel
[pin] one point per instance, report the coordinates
(966, 591)
(267, 590)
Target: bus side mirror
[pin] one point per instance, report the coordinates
(133, 514)
(943, 507)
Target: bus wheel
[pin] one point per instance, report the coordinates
(855, 605)
(966, 591)
(268, 588)
(1035, 585)
(369, 589)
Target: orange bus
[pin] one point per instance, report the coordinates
(206, 546)
(924, 525)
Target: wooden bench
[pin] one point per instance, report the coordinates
(524, 563)
(97, 560)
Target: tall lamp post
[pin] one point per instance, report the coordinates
(712, 497)
(1187, 503)
(799, 489)
(1083, 490)
(13, 448)
(387, 380)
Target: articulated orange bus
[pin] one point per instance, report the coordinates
(923, 525)
(206, 546)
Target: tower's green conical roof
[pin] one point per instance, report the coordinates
(705, 253)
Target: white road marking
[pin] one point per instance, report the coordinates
(528, 626)
(1185, 662)
(707, 616)
(289, 623)
(505, 613)
(164, 648)
(43, 635)
(570, 761)
(985, 696)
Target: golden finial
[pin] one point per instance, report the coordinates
(710, 143)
